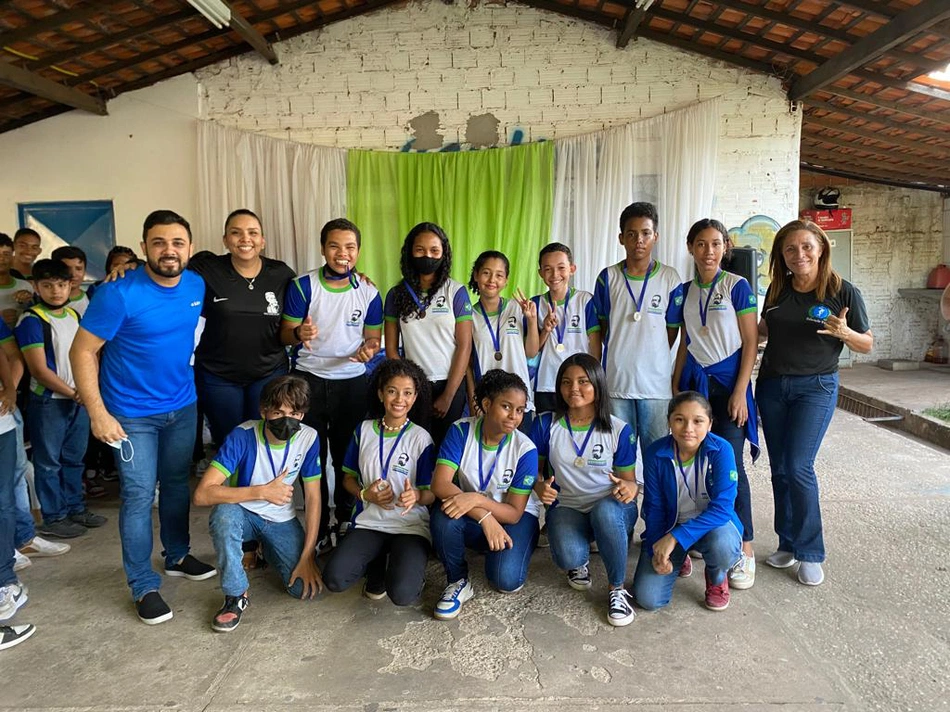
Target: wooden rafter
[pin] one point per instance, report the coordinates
(889, 122)
(57, 20)
(940, 187)
(634, 17)
(249, 34)
(872, 100)
(936, 151)
(901, 28)
(24, 80)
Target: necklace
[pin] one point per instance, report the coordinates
(394, 428)
(250, 282)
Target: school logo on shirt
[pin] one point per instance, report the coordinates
(717, 299)
(402, 464)
(733, 476)
(506, 477)
(403, 459)
(511, 326)
(597, 455)
(355, 318)
(751, 299)
(575, 323)
(273, 308)
(656, 304)
(818, 313)
(439, 306)
(529, 480)
(678, 300)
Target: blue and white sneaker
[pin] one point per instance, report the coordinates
(454, 595)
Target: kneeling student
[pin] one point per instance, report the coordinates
(250, 483)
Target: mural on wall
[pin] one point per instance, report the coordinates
(480, 132)
(758, 232)
(88, 224)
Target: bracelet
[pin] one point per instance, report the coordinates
(484, 518)
(363, 495)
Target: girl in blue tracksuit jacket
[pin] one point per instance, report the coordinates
(689, 483)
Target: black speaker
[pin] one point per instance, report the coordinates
(744, 262)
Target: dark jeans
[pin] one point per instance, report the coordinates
(438, 427)
(506, 570)
(60, 428)
(227, 404)
(8, 448)
(796, 412)
(336, 409)
(398, 560)
(726, 428)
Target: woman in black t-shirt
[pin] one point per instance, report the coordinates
(810, 314)
(240, 350)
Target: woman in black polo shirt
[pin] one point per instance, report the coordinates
(240, 349)
(810, 314)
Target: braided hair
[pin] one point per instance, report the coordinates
(395, 368)
(405, 306)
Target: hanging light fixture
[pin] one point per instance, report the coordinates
(216, 12)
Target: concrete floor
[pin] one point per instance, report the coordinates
(875, 636)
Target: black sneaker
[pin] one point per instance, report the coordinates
(620, 607)
(87, 519)
(61, 529)
(11, 635)
(229, 617)
(152, 609)
(191, 569)
(374, 590)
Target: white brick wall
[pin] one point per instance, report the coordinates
(897, 241)
(358, 83)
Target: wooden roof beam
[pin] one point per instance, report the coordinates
(869, 178)
(887, 121)
(634, 17)
(934, 150)
(55, 21)
(250, 35)
(904, 26)
(21, 79)
(872, 100)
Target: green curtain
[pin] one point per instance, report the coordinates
(495, 199)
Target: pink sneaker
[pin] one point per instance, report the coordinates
(717, 595)
(687, 568)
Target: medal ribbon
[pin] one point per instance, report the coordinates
(583, 447)
(415, 297)
(559, 332)
(684, 476)
(384, 468)
(495, 335)
(646, 280)
(269, 457)
(484, 481)
(703, 310)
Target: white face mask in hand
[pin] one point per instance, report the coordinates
(119, 445)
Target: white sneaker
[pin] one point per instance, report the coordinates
(454, 595)
(742, 575)
(12, 596)
(20, 562)
(44, 547)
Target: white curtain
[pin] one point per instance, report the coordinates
(669, 160)
(295, 188)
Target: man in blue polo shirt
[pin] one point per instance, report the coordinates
(141, 400)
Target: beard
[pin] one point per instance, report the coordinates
(168, 270)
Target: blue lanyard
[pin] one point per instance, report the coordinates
(484, 481)
(638, 303)
(384, 468)
(331, 276)
(495, 335)
(703, 310)
(269, 457)
(559, 332)
(590, 431)
(415, 297)
(695, 473)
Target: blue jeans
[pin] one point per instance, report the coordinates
(645, 416)
(25, 526)
(162, 453)
(726, 428)
(231, 525)
(610, 523)
(59, 430)
(7, 506)
(227, 404)
(506, 570)
(720, 548)
(796, 411)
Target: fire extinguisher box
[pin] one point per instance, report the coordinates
(837, 219)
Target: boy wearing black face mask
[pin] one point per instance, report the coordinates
(250, 484)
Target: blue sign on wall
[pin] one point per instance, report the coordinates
(87, 224)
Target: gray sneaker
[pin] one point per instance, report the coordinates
(61, 529)
(810, 573)
(88, 519)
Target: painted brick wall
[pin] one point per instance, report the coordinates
(897, 241)
(361, 82)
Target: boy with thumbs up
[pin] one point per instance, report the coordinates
(334, 320)
(250, 485)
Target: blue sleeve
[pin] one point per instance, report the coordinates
(297, 300)
(674, 313)
(351, 460)
(424, 467)
(602, 297)
(233, 453)
(107, 312)
(389, 309)
(625, 456)
(310, 469)
(590, 316)
(5, 333)
(29, 332)
(526, 473)
(374, 313)
(462, 305)
(652, 509)
(452, 447)
(743, 298)
(722, 499)
(541, 434)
